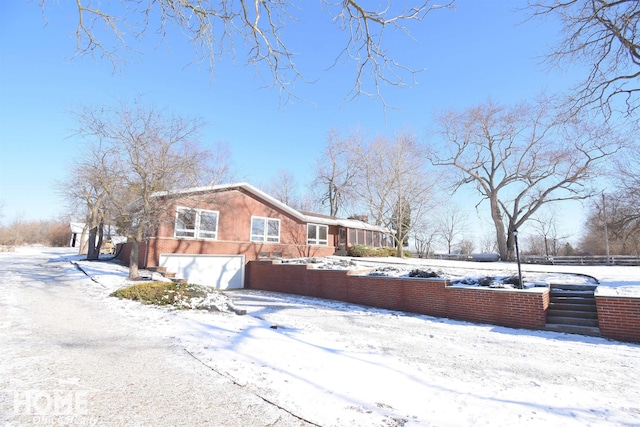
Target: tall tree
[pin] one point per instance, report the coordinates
(394, 185)
(604, 35)
(143, 151)
(337, 170)
(520, 158)
(220, 28)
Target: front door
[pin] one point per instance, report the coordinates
(342, 240)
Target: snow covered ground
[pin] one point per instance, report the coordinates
(611, 280)
(293, 360)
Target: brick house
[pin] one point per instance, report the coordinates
(210, 232)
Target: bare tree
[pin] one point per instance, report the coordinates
(284, 187)
(605, 36)
(466, 246)
(451, 222)
(143, 151)
(337, 171)
(220, 28)
(424, 237)
(545, 225)
(86, 197)
(53, 232)
(622, 236)
(488, 243)
(617, 211)
(627, 177)
(521, 158)
(394, 185)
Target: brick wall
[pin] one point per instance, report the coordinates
(511, 308)
(150, 256)
(619, 317)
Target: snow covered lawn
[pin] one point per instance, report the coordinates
(290, 361)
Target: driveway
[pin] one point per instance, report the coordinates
(68, 359)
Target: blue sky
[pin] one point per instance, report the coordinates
(482, 49)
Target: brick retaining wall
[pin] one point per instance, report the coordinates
(434, 297)
(619, 317)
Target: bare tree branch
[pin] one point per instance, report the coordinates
(605, 36)
(214, 27)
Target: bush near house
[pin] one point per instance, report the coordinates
(368, 251)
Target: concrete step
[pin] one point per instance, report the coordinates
(569, 287)
(575, 321)
(571, 294)
(574, 329)
(572, 300)
(581, 314)
(591, 308)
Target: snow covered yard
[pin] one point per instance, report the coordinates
(291, 360)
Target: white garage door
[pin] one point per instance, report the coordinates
(218, 271)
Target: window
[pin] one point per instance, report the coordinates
(208, 224)
(317, 234)
(265, 229)
(376, 239)
(198, 223)
(185, 222)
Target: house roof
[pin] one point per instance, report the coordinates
(259, 194)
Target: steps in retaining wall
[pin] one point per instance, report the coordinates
(572, 309)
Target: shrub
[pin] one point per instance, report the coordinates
(181, 296)
(367, 251)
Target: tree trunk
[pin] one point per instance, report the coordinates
(83, 242)
(133, 260)
(501, 237)
(92, 252)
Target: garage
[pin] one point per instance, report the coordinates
(218, 271)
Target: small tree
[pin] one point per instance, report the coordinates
(545, 225)
(424, 236)
(143, 151)
(451, 222)
(284, 187)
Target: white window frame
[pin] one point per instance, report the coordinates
(318, 241)
(265, 236)
(196, 232)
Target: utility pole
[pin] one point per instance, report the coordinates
(606, 229)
